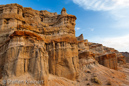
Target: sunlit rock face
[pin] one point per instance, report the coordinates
(23, 54)
(105, 56)
(38, 43)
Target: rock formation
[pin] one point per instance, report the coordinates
(126, 54)
(41, 45)
(38, 42)
(106, 56)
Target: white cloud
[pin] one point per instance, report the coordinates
(119, 43)
(102, 4)
(118, 9)
(77, 28)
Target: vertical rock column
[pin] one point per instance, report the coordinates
(108, 60)
(1, 24)
(38, 65)
(63, 59)
(21, 56)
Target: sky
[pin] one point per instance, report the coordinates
(100, 21)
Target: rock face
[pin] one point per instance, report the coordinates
(108, 60)
(42, 45)
(37, 42)
(105, 56)
(126, 54)
(22, 54)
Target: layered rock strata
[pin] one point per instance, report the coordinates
(42, 46)
(108, 60)
(105, 56)
(38, 43)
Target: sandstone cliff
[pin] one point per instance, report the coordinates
(106, 56)
(37, 42)
(40, 45)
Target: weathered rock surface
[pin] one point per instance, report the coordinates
(108, 60)
(21, 55)
(126, 54)
(108, 57)
(40, 45)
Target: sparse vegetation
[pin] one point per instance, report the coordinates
(95, 80)
(109, 83)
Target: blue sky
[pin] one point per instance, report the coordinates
(101, 21)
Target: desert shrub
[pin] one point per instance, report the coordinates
(95, 80)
